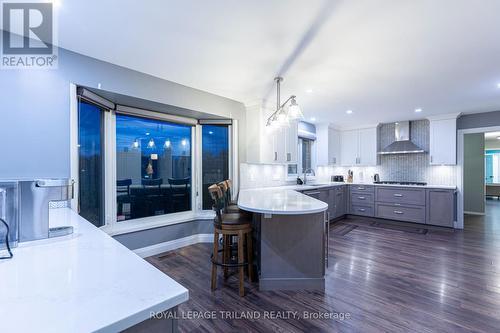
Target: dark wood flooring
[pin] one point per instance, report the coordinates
(387, 278)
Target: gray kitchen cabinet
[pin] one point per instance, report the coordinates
(339, 199)
(396, 211)
(401, 195)
(361, 200)
(441, 207)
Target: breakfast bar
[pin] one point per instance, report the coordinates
(289, 229)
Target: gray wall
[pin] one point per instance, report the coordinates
(34, 110)
(143, 238)
(477, 120)
(474, 173)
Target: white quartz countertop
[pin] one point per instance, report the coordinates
(287, 200)
(283, 200)
(84, 282)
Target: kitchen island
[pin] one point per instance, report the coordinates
(84, 282)
(290, 234)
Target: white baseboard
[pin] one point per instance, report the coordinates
(173, 245)
(474, 213)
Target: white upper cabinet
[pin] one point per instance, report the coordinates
(367, 147)
(359, 147)
(443, 141)
(334, 147)
(350, 144)
(280, 145)
(291, 142)
(328, 145)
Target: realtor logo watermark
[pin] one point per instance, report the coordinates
(28, 35)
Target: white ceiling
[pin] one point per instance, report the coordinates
(379, 58)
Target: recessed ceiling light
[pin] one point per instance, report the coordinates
(498, 137)
(349, 112)
(309, 91)
(147, 133)
(418, 110)
(498, 85)
(210, 132)
(313, 119)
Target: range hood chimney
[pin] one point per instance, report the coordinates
(402, 143)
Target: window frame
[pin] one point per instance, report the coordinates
(111, 225)
(300, 172)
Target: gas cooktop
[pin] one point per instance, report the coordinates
(390, 182)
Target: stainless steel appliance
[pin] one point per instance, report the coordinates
(337, 178)
(402, 141)
(9, 213)
(35, 198)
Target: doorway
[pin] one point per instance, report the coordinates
(479, 179)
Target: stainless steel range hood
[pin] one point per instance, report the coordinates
(402, 143)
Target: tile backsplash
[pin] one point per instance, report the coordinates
(401, 167)
(254, 175)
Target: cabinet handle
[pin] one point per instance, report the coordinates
(311, 193)
(398, 195)
(361, 198)
(334, 160)
(275, 156)
(396, 204)
(288, 157)
(398, 212)
(361, 209)
(361, 188)
(431, 158)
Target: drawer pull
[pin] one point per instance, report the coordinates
(398, 212)
(312, 193)
(396, 204)
(398, 195)
(361, 209)
(361, 198)
(361, 188)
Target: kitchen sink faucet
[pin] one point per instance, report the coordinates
(305, 174)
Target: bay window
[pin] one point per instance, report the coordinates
(153, 167)
(137, 169)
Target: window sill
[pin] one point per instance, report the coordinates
(126, 227)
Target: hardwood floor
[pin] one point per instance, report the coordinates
(387, 278)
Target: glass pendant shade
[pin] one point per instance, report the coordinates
(294, 111)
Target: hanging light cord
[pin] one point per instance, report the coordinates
(7, 240)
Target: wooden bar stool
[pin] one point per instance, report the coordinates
(230, 225)
(230, 206)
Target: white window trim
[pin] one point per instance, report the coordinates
(300, 172)
(112, 226)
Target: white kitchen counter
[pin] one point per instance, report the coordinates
(286, 200)
(85, 282)
(283, 200)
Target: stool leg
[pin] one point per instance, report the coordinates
(215, 256)
(241, 259)
(227, 253)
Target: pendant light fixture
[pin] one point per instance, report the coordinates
(283, 114)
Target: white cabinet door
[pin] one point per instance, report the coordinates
(349, 152)
(279, 145)
(334, 147)
(443, 142)
(367, 155)
(291, 143)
